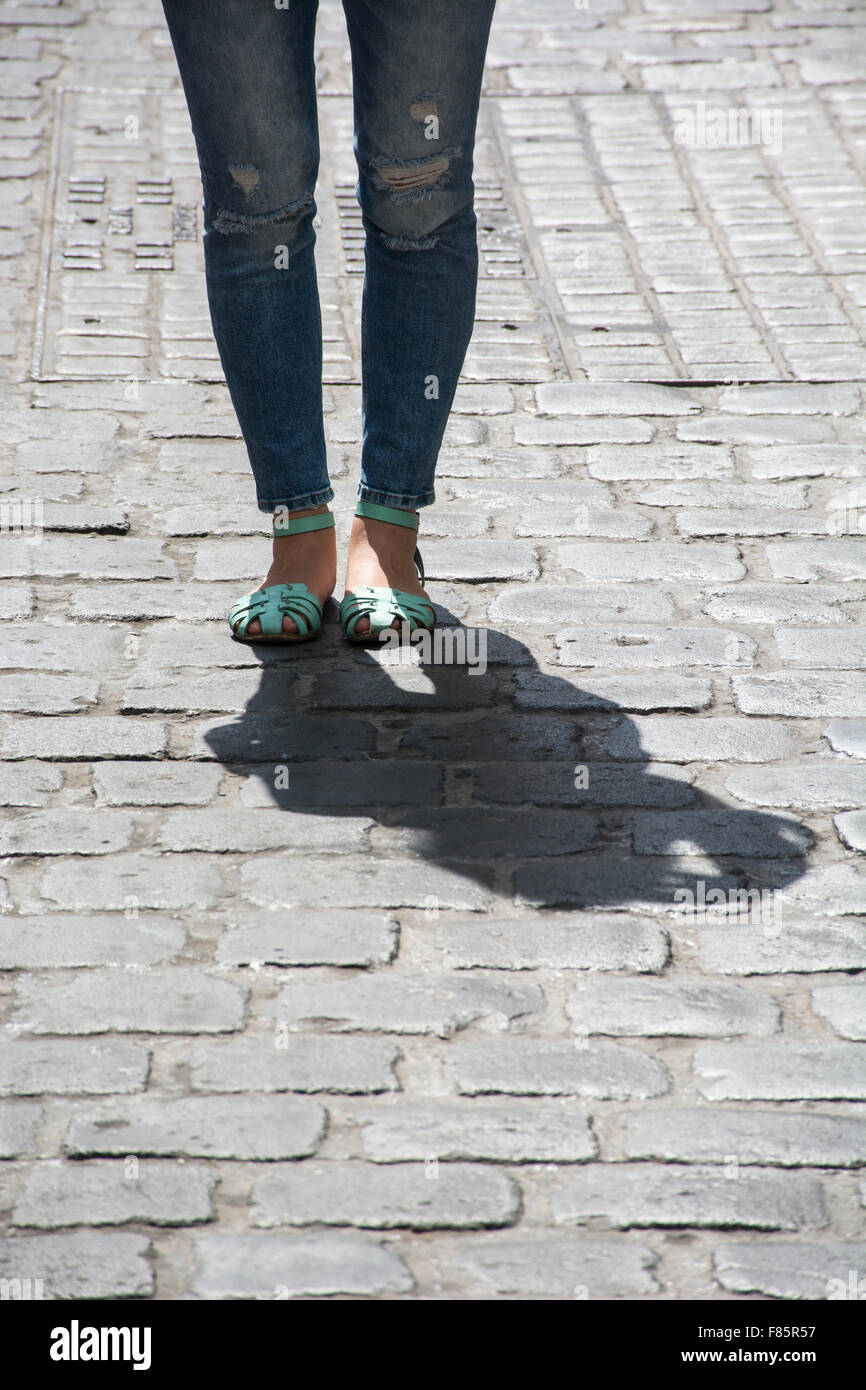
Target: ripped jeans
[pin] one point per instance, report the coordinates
(248, 73)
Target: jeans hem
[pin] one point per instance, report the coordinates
(396, 499)
(296, 504)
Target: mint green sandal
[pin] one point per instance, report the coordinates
(381, 605)
(278, 601)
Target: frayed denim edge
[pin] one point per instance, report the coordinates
(229, 222)
(424, 191)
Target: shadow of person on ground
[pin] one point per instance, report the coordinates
(504, 778)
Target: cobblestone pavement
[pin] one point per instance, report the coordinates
(328, 977)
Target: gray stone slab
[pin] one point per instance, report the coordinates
(79, 1265)
(245, 1127)
(232, 1265)
(413, 1195)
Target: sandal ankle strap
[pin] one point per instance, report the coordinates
(287, 525)
(395, 515)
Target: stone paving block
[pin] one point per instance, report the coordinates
(822, 648)
(769, 604)
(557, 604)
(805, 461)
(828, 890)
(737, 496)
(106, 558)
(669, 1008)
(130, 882)
(799, 399)
(235, 1265)
(719, 832)
(28, 784)
(756, 521)
(608, 880)
(640, 561)
(481, 562)
(378, 883)
(783, 945)
(536, 690)
(283, 1061)
(79, 1264)
(231, 691)
(81, 737)
(847, 736)
(83, 831)
(630, 647)
(266, 739)
(670, 1195)
(308, 938)
(383, 782)
(673, 738)
(68, 1066)
(245, 1127)
(527, 1067)
(20, 1123)
(613, 398)
(789, 1269)
(106, 1193)
(493, 737)
(501, 494)
(814, 784)
(458, 833)
(409, 687)
(542, 1264)
(246, 832)
(789, 1140)
(404, 1004)
(58, 941)
(178, 1000)
(61, 647)
(755, 430)
(522, 1131)
(851, 829)
(16, 601)
(612, 463)
(843, 1007)
(353, 1193)
(46, 694)
(563, 431)
(803, 694)
(155, 784)
(597, 784)
(602, 522)
(781, 1071)
(610, 941)
(154, 598)
(829, 558)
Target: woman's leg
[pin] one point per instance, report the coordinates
(248, 73)
(417, 70)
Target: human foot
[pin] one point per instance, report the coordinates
(306, 557)
(381, 556)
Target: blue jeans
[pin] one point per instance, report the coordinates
(248, 73)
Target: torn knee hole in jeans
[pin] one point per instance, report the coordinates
(229, 222)
(413, 180)
(427, 104)
(246, 176)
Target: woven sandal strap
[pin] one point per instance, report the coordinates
(383, 605)
(274, 603)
